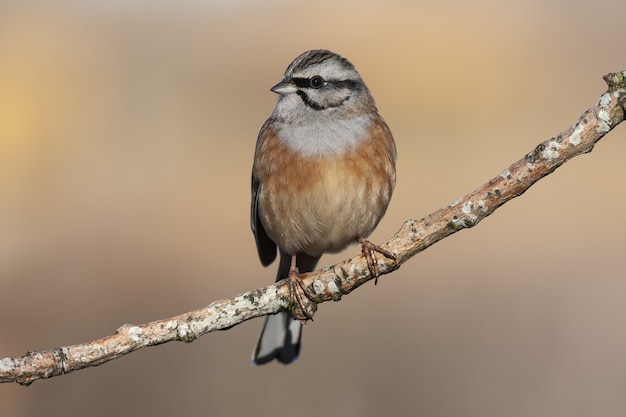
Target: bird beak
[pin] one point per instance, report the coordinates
(284, 87)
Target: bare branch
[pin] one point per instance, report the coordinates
(333, 282)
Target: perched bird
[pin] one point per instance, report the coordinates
(323, 175)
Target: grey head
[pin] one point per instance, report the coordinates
(319, 83)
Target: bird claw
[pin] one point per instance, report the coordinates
(302, 305)
(369, 251)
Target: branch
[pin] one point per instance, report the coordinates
(333, 282)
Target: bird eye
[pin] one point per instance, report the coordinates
(316, 82)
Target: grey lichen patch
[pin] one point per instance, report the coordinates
(574, 138)
(252, 297)
(605, 122)
(171, 325)
(184, 333)
(135, 333)
(332, 286)
(318, 287)
(411, 227)
(468, 210)
(551, 151)
(604, 99)
(6, 364)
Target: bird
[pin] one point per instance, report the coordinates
(323, 174)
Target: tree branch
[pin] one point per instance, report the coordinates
(333, 282)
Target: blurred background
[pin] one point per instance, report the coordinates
(127, 131)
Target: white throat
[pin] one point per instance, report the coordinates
(336, 136)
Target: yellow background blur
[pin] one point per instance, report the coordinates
(127, 130)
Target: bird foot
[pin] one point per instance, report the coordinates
(369, 251)
(302, 305)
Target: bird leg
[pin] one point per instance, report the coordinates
(301, 299)
(369, 251)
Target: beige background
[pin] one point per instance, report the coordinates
(127, 131)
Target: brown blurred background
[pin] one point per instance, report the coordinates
(127, 131)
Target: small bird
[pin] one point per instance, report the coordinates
(323, 175)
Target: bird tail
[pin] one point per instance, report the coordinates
(281, 336)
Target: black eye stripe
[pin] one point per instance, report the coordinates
(306, 83)
(350, 84)
(302, 82)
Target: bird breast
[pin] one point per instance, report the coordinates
(321, 201)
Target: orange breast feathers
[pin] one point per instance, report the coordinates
(323, 203)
